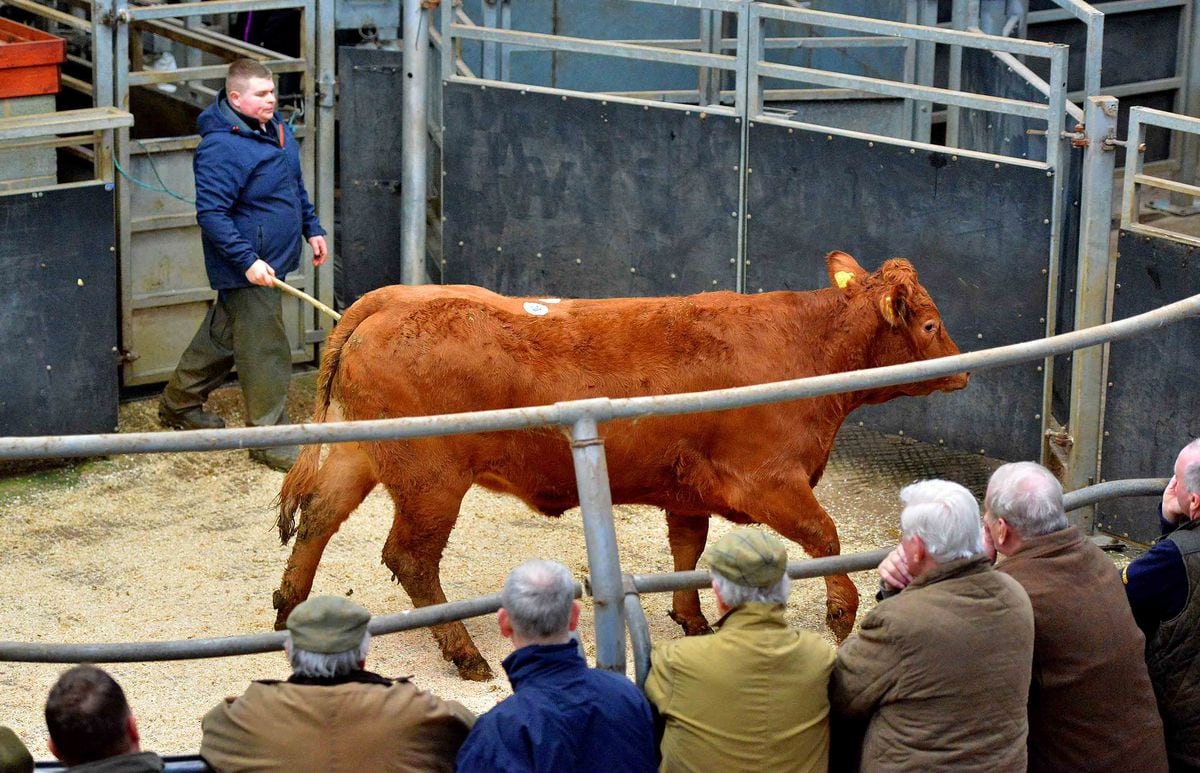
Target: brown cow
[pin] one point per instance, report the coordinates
(417, 351)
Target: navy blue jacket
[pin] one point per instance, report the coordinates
(1157, 583)
(562, 716)
(250, 197)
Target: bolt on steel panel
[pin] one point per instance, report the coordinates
(58, 312)
(550, 195)
(1152, 407)
(977, 232)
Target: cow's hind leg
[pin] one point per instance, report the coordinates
(343, 482)
(687, 535)
(420, 529)
(791, 509)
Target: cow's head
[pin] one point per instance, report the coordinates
(901, 317)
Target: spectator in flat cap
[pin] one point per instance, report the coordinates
(91, 726)
(753, 695)
(331, 715)
(562, 715)
(940, 671)
(14, 757)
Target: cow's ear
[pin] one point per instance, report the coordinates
(893, 303)
(844, 270)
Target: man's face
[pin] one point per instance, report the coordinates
(257, 100)
(1184, 498)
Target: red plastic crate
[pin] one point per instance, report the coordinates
(29, 60)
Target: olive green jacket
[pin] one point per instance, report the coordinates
(942, 672)
(753, 696)
(356, 726)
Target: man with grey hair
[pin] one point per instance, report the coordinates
(562, 715)
(1077, 599)
(1162, 590)
(940, 672)
(753, 695)
(331, 715)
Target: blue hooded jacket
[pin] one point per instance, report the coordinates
(563, 716)
(250, 197)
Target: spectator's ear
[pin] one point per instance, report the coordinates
(131, 730)
(505, 625)
(574, 616)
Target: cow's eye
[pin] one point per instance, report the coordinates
(931, 326)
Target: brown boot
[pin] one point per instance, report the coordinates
(281, 458)
(189, 418)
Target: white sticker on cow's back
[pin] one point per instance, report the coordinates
(536, 309)
(550, 300)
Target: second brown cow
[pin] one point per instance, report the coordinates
(417, 351)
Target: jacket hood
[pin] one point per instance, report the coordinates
(221, 117)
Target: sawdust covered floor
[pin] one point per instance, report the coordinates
(178, 546)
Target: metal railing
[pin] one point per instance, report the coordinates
(1136, 178)
(583, 417)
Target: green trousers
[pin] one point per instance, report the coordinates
(243, 328)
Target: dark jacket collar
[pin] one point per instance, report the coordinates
(531, 662)
(1047, 544)
(960, 567)
(142, 762)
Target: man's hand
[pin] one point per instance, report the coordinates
(893, 570)
(320, 251)
(1170, 501)
(261, 273)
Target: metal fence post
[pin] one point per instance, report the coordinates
(415, 161)
(1092, 284)
(604, 563)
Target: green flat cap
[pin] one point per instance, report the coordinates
(748, 557)
(14, 757)
(328, 624)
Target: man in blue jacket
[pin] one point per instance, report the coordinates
(254, 216)
(562, 715)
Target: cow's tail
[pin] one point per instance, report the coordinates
(300, 483)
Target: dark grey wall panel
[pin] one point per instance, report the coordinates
(1153, 405)
(370, 106)
(998, 132)
(58, 312)
(552, 196)
(975, 232)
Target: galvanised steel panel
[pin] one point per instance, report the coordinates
(58, 312)
(370, 104)
(548, 195)
(976, 231)
(1153, 404)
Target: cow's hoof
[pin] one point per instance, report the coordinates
(840, 621)
(474, 669)
(695, 625)
(283, 609)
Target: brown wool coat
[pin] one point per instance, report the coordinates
(1091, 706)
(941, 671)
(353, 727)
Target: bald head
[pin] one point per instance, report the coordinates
(1187, 476)
(1028, 497)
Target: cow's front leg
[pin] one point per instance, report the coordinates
(687, 535)
(790, 508)
(420, 529)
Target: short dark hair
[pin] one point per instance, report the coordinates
(87, 716)
(240, 73)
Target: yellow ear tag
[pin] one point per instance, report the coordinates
(885, 305)
(843, 278)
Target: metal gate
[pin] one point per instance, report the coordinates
(555, 192)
